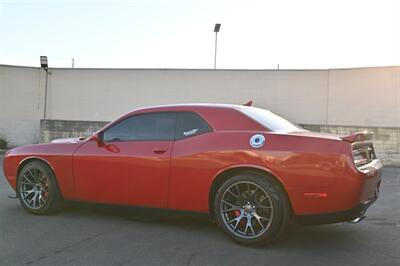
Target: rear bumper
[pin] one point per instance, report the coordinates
(358, 212)
(371, 175)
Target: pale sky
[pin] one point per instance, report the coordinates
(179, 33)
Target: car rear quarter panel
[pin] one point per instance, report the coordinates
(301, 164)
(352, 186)
(58, 156)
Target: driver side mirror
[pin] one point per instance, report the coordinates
(98, 137)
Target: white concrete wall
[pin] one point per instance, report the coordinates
(350, 97)
(21, 104)
(104, 94)
(364, 97)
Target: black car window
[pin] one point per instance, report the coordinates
(189, 124)
(157, 126)
(270, 120)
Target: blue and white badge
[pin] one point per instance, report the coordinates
(257, 141)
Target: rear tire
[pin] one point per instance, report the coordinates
(252, 209)
(37, 189)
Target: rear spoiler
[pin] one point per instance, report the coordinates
(359, 136)
(249, 103)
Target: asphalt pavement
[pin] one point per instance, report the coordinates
(85, 234)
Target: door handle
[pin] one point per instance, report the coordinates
(159, 150)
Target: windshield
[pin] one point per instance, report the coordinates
(270, 120)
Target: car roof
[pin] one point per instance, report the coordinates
(189, 107)
(211, 112)
(194, 105)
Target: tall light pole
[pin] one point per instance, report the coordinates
(216, 30)
(44, 64)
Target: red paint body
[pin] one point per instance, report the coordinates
(316, 170)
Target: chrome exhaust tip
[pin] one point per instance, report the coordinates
(358, 219)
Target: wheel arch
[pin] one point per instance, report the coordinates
(29, 159)
(229, 172)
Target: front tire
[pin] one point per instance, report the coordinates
(252, 209)
(37, 189)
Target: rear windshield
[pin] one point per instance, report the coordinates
(270, 120)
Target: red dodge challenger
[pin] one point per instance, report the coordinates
(250, 169)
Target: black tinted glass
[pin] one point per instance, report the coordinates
(270, 120)
(159, 126)
(190, 124)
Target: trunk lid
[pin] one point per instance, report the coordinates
(313, 134)
(362, 149)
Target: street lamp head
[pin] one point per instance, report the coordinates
(217, 26)
(43, 62)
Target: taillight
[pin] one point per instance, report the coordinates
(363, 153)
(359, 158)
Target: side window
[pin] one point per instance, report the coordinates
(189, 124)
(158, 126)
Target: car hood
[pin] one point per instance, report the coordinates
(68, 140)
(64, 146)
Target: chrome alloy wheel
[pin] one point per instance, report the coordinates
(246, 209)
(34, 188)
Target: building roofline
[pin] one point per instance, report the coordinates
(203, 69)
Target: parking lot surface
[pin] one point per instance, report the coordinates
(86, 234)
